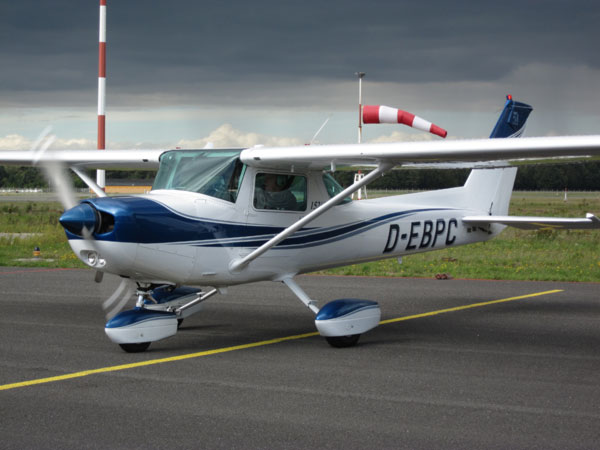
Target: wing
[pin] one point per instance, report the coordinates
(485, 151)
(536, 223)
(503, 151)
(88, 159)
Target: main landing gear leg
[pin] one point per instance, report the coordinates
(340, 322)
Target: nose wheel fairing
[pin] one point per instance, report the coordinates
(141, 325)
(158, 313)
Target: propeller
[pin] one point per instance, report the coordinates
(55, 173)
(53, 169)
(119, 298)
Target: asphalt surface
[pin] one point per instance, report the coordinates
(516, 374)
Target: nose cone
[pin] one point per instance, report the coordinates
(79, 217)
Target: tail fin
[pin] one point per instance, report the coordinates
(490, 189)
(511, 122)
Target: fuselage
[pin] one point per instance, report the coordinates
(181, 237)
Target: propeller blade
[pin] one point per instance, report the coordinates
(57, 177)
(119, 298)
(53, 170)
(37, 148)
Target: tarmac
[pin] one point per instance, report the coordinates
(455, 364)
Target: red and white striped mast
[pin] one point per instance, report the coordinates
(100, 174)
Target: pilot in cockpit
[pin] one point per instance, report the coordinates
(272, 192)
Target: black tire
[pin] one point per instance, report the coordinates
(179, 322)
(135, 348)
(343, 341)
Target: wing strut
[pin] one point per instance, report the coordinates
(87, 180)
(240, 264)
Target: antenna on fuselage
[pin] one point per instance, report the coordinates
(312, 141)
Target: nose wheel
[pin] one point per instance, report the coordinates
(343, 341)
(135, 348)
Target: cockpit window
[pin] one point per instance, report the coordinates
(217, 173)
(333, 188)
(282, 192)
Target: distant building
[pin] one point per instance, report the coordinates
(128, 186)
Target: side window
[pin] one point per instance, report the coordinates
(333, 188)
(280, 192)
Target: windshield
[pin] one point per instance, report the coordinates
(217, 173)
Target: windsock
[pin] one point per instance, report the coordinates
(385, 114)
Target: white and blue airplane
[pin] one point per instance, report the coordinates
(224, 217)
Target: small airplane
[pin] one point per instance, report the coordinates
(224, 217)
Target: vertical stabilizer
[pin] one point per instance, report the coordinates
(490, 190)
(511, 122)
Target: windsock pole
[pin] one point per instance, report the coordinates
(360, 77)
(100, 174)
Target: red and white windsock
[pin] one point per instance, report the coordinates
(385, 114)
(100, 174)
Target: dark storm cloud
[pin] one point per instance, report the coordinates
(174, 48)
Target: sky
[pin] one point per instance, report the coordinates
(239, 73)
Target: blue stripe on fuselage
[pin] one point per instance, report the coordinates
(146, 221)
(149, 222)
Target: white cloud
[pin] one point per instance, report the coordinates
(74, 144)
(15, 142)
(227, 136)
(18, 142)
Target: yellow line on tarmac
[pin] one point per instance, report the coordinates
(251, 345)
(154, 361)
(460, 308)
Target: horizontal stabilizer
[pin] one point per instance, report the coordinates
(536, 223)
